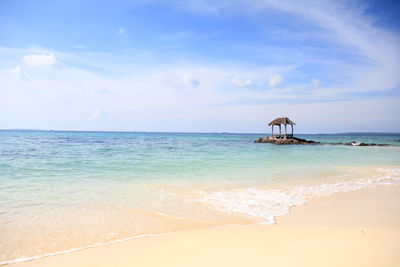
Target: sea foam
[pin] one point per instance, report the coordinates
(265, 205)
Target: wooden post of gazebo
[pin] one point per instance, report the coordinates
(281, 121)
(285, 130)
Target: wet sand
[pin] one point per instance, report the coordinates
(358, 228)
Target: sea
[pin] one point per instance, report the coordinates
(63, 191)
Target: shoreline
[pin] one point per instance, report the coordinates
(338, 216)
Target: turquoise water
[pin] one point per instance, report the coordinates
(62, 190)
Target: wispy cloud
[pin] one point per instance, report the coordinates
(314, 82)
(39, 61)
(17, 71)
(275, 80)
(97, 114)
(343, 24)
(121, 31)
(189, 80)
(241, 82)
(309, 57)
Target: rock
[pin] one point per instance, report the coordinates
(359, 144)
(354, 143)
(299, 141)
(285, 141)
(364, 144)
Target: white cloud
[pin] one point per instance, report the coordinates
(17, 71)
(275, 80)
(38, 61)
(315, 82)
(189, 80)
(241, 82)
(97, 114)
(104, 91)
(121, 31)
(149, 100)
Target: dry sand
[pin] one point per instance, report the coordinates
(359, 228)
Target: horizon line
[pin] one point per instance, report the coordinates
(183, 132)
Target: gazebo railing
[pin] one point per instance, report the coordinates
(282, 136)
(285, 134)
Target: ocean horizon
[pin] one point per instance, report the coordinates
(201, 132)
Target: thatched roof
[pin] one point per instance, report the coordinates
(283, 120)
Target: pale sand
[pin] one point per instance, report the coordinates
(359, 228)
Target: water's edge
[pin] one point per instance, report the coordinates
(359, 186)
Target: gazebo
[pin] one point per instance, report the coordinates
(281, 121)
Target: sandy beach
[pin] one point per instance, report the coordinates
(358, 228)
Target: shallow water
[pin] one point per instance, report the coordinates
(63, 190)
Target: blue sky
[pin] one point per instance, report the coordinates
(200, 65)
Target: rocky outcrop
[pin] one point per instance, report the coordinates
(299, 141)
(285, 141)
(362, 144)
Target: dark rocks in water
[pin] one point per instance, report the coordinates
(354, 143)
(285, 141)
(299, 141)
(362, 144)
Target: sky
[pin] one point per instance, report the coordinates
(200, 65)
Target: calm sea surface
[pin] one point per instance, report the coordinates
(67, 190)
